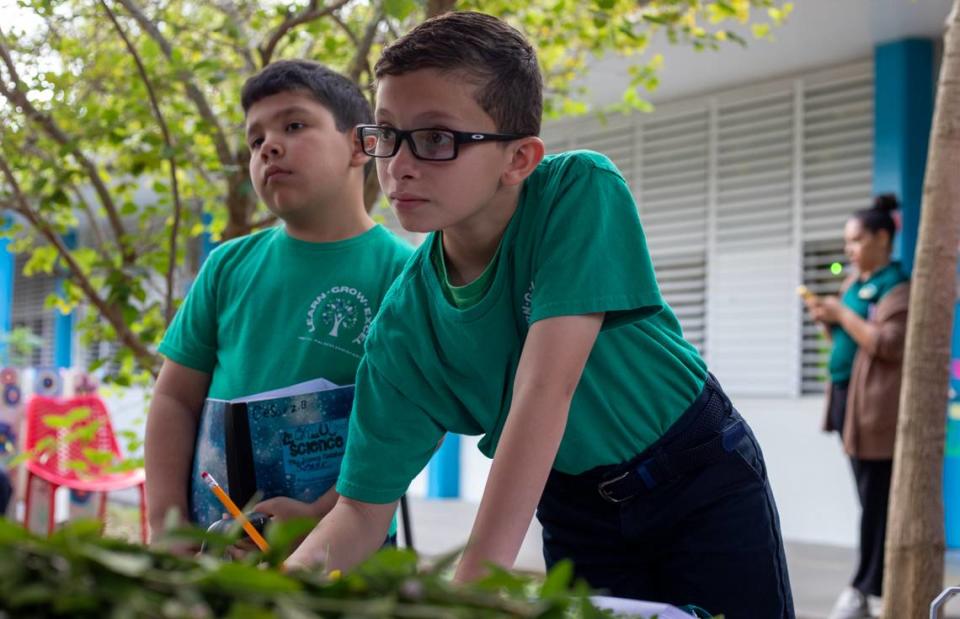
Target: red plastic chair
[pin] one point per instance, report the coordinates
(51, 464)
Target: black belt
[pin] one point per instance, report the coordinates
(708, 437)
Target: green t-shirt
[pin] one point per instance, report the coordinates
(469, 294)
(268, 310)
(861, 297)
(574, 246)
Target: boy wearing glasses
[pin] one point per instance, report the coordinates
(531, 315)
(288, 304)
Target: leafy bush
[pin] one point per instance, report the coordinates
(78, 573)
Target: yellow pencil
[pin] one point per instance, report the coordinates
(235, 512)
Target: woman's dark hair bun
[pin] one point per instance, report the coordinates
(886, 202)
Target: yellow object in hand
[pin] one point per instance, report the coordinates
(805, 292)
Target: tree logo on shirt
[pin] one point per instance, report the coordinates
(340, 311)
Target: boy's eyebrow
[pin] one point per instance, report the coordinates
(425, 117)
(292, 110)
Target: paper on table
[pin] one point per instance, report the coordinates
(638, 608)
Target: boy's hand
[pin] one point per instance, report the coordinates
(284, 508)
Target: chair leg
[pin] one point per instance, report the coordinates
(102, 512)
(143, 513)
(51, 517)
(407, 525)
(27, 501)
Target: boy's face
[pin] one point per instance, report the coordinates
(299, 161)
(435, 195)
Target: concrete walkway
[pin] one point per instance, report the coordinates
(817, 572)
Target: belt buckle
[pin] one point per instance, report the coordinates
(602, 489)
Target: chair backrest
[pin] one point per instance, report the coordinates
(64, 449)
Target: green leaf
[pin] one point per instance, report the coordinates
(558, 579)
(76, 415)
(42, 260)
(128, 564)
(250, 579)
(55, 421)
(399, 9)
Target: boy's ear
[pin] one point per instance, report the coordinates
(358, 157)
(527, 154)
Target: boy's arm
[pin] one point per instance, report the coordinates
(553, 358)
(351, 532)
(284, 508)
(171, 432)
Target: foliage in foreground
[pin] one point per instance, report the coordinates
(78, 573)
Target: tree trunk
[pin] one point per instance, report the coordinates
(439, 7)
(241, 204)
(915, 532)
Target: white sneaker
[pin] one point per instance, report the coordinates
(852, 604)
(874, 606)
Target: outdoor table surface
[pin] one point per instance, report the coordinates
(639, 607)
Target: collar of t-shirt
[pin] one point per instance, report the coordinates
(461, 297)
(862, 294)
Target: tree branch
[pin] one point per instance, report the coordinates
(171, 161)
(310, 13)
(346, 30)
(19, 98)
(229, 9)
(147, 359)
(361, 61)
(101, 241)
(224, 153)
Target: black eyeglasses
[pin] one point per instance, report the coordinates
(427, 144)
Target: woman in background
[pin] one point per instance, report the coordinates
(867, 325)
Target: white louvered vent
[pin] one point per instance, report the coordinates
(838, 152)
(818, 257)
(672, 185)
(671, 191)
(754, 172)
(736, 202)
(750, 325)
(683, 285)
(29, 295)
(748, 329)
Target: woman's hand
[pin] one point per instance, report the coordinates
(827, 310)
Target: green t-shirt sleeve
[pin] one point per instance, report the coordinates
(593, 255)
(389, 442)
(191, 338)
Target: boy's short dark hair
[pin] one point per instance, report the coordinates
(335, 92)
(485, 50)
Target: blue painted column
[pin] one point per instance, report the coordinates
(63, 323)
(904, 83)
(7, 275)
(903, 111)
(443, 475)
(951, 465)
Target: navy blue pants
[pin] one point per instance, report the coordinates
(698, 526)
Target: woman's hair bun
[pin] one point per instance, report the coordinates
(886, 202)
